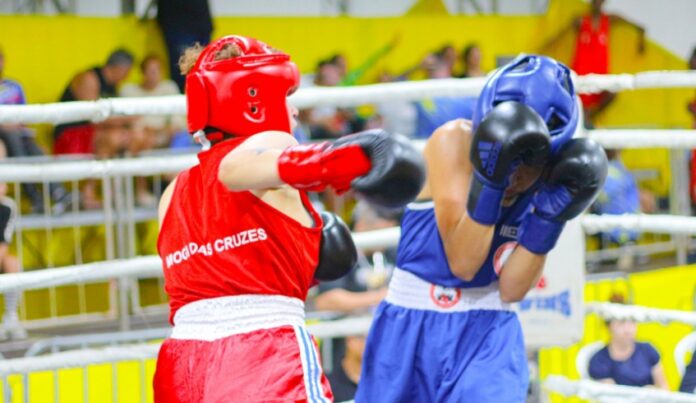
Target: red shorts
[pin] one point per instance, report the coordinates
(75, 140)
(278, 364)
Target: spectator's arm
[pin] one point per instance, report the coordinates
(85, 86)
(345, 301)
(22, 96)
(659, 378)
(614, 18)
(356, 74)
(427, 61)
(657, 371)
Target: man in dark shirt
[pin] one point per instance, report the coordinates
(183, 23)
(345, 374)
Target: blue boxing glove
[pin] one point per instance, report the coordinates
(575, 179)
(510, 134)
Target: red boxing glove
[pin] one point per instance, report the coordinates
(313, 167)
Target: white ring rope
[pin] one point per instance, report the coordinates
(95, 111)
(80, 358)
(78, 170)
(142, 267)
(674, 139)
(338, 96)
(360, 326)
(657, 223)
(603, 392)
(640, 313)
(151, 266)
(155, 165)
(145, 267)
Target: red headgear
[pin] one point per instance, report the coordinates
(242, 95)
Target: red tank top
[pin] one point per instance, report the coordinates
(215, 242)
(592, 52)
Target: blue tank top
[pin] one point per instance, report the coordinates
(421, 251)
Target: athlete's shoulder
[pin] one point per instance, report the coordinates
(455, 130)
(453, 136)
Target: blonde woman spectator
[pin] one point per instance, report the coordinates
(158, 129)
(154, 131)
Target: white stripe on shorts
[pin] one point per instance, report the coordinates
(310, 365)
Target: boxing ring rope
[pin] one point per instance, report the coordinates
(338, 96)
(640, 313)
(586, 389)
(154, 165)
(151, 266)
(338, 328)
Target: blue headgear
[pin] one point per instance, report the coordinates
(539, 82)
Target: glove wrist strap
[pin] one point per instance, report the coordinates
(539, 235)
(301, 166)
(485, 201)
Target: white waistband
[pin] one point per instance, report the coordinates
(410, 291)
(215, 318)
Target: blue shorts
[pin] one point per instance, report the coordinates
(415, 355)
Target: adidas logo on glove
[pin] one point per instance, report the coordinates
(488, 153)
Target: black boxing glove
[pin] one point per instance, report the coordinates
(510, 134)
(576, 177)
(337, 253)
(397, 171)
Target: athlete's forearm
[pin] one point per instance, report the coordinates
(251, 170)
(467, 244)
(519, 274)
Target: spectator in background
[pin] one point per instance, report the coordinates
(105, 139)
(592, 52)
(158, 129)
(91, 85)
(431, 113)
(363, 288)
(447, 55)
(624, 361)
(328, 121)
(688, 382)
(18, 141)
(183, 23)
(359, 291)
(352, 76)
(155, 131)
(345, 375)
(11, 328)
(397, 116)
(620, 195)
(471, 62)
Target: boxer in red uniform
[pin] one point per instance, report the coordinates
(240, 242)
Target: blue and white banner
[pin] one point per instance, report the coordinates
(553, 312)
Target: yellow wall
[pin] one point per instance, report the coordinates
(44, 52)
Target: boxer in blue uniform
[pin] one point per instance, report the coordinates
(498, 193)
